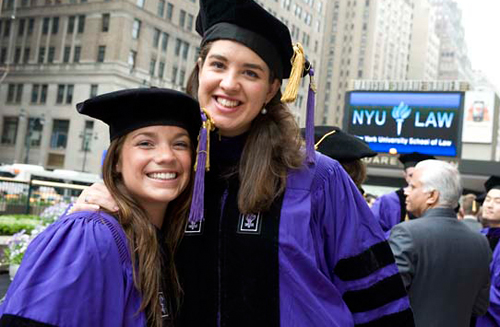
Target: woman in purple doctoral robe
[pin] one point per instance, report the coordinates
(491, 212)
(97, 269)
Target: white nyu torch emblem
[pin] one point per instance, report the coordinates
(400, 113)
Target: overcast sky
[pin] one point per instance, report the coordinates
(481, 22)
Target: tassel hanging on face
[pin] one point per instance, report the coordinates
(298, 63)
(202, 163)
(311, 102)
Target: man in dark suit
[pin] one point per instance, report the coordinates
(444, 265)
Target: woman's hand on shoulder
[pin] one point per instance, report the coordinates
(95, 197)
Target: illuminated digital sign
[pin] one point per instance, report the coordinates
(425, 122)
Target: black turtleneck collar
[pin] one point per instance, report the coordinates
(226, 151)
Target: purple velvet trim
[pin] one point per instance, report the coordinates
(310, 120)
(197, 204)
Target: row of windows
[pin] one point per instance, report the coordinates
(10, 4)
(50, 25)
(39, 93)
(48, 54)
(58, 137)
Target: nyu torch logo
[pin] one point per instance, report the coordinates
(400, 113)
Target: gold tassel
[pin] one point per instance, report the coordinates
(323, 138)
(298, 62)
(474, 206)
(209, 125)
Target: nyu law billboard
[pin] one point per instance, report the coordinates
(425, 122)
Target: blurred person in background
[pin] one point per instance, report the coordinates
(491, 214)
(468, 212)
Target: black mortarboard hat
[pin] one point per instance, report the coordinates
(492, 183)
(339, 145)
(412, 159)
(245, 21)
(131, 109)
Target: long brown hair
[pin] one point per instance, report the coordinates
(143, 242)
(272, 148)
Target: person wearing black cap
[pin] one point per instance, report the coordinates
(347, 149)
(282, 236)
(491, 212)
(390, 209)
(98, 269)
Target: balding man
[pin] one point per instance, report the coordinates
(444, 264)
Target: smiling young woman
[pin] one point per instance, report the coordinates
(102, 269)
(282, 237)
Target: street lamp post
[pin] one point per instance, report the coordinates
(33, 124)
(86, 137)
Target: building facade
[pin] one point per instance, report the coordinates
(57, 53)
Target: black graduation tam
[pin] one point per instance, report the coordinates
(245, 21)
(339, 145)
(412, 159)
(131, 109)
(492, 183)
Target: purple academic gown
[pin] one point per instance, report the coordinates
(492, 317)
(320, 259)
(77, 272)
(387, 211)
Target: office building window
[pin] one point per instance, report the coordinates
(26, 55)
(69, 93)
(55, 25)
(81, 23)
(19, 93)
(31, 25)
(17, 55)
(152, 66)
(178, 43)
(174, 75)
(66, 54)
(185, 50)
(161, 69)
(156, 37)
(9, 130)
(22, 23)
(136, 29)
(170, 11)
(41, 55)
(60, 93)
(6, 29)
(45, 25)
(131, 58)
(59, 137)
(3, 55)
(161, 8)
(93, 90)
(51, 54)
(182, 19)
(101, 52)
(71, 24)
(182, 75)
(11, 92)
(43, 93)
(190, 20)
(164, 42)
(35, 93)
(105, 22)
(76, 54)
